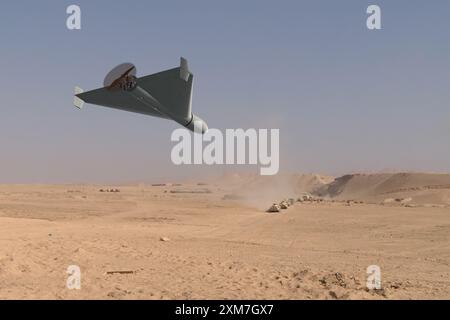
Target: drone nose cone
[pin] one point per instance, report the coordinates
(205, 127)
(197, 125)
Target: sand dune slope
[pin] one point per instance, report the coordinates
(419, 188)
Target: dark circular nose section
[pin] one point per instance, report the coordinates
(197, 125)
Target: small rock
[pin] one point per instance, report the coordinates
(284, 205)
(406, 200)
(305, 197)
(333, 295)
(165, 239)
(274, 208)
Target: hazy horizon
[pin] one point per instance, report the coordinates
(345, 99)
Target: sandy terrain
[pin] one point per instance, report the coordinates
(222, 243)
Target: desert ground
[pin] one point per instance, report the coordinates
(215, 240)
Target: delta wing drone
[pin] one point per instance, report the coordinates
(167, 94)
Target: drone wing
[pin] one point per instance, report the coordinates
(171, 88)
(117, 100)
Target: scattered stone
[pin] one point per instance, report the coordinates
(395, 285)
(405, 200)
(191, 191)
(284, 205)
(381, 292)
(333, 295)
(305, 197)
(331, 279)
(274, 208)
(109, 190)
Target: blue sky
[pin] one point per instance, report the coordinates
(345, 98)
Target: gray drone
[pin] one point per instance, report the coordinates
(166, 94)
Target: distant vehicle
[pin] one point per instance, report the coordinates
(167, 94)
